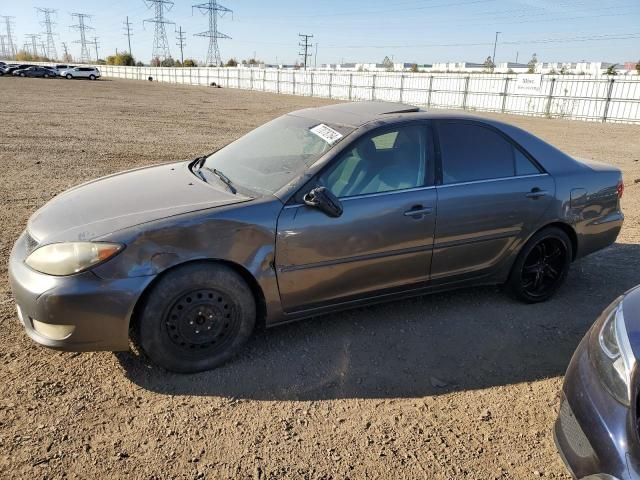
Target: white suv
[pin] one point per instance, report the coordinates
(91, 73)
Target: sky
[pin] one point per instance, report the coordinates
(425, 31)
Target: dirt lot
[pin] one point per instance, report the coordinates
(457, 385)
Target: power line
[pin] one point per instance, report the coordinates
(82, 27)
(214, 9)
(160, 43)
(48, 24)
(305, 55)
(181, 42)
(11, 45)
(127, 26)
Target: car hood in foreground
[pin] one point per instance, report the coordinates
(126, 199)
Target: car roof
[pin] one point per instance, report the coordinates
(357, 114)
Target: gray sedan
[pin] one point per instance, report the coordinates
(318, 210)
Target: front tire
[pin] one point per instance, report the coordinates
(541, 267)
(92, 77)
(69, 76)
(196, 318)
(22, 75)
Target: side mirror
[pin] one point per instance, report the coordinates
(325, 201)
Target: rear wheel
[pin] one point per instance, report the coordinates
(69, 76)
(196, 318)
(22, 75)
(541, 266)
(92, 77)
(46, 75)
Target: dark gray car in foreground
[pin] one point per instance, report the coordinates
(598, 429)
(319, 210)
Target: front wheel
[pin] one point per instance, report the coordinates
(22, 75)
(46, 75)
(69, 76)
(196, 318)
(92, 77)
(541, 266)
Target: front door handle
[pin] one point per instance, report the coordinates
(418, 211)
(537, 193)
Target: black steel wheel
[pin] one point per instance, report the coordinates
(196, 317)
(541, 266)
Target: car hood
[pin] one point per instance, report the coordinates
(125, 199)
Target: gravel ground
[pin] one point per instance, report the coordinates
(455, 385)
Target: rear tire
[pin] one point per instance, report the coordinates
(22, 75)
(46, 75)
(541, 266)
(196, 318)
(69, 76)
(92, 77)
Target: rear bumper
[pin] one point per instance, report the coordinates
(594, 433)
(599, 233)
(96, 311)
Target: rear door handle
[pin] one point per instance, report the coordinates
(418, 210)
(537, 193)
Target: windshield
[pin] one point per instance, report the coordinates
(269, 157)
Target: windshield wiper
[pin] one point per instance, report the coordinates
(222, 177)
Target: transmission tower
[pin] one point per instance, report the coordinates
(181, 42)
(127, 27)
(33, 38)
(11, 45)
(3, 47)
(67, 57)
(305, 55)
(95, 44)
(82, 27)
(160, 42)
(214, 10)
(48, 25)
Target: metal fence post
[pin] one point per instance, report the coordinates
(294, 82)
(312, 83)
(251, 79)
(264, 80)
(466, 92)
(401, 86)
(547, 110)
(238, 78)
(608, 101)
(373, 87)
(350, 85)
(227, 85)
(330, 81)
(504, 94)
(429, 92)
(278, 81)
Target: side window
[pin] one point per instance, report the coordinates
(380, 162)
(524, 165)
(472, 152)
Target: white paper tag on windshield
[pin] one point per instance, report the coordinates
(326, 133)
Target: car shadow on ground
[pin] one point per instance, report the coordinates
(467, 339)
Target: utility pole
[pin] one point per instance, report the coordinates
(305, 55)
(315, 58)
(33, 37)
(82, 27)
(127, 26)
(214, 10)
(181, 43)
(11, 46)
(3, 47)
(495, 44)
(160, 43)
(517, 55)
(52, 54)
(95, 44)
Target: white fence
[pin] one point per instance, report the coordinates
(603, 99)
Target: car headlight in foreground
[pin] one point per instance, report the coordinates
(611, 353)
(71, 257)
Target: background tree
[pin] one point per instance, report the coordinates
(638, 67)
(121, 59)
(414, 68)
(488, 64)
(611, 69)
(189, 63)
(232, 62)
(532, 64)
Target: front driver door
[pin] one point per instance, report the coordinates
(383, 239)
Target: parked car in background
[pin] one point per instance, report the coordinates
(316, 211)
(91, 73)
(35, 72)
(598, 427)
(62, 67)
(16, 66)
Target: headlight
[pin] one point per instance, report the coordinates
(611, 353)
(70, 258)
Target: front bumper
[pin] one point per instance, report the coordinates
(98, 310)
(594, 433)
